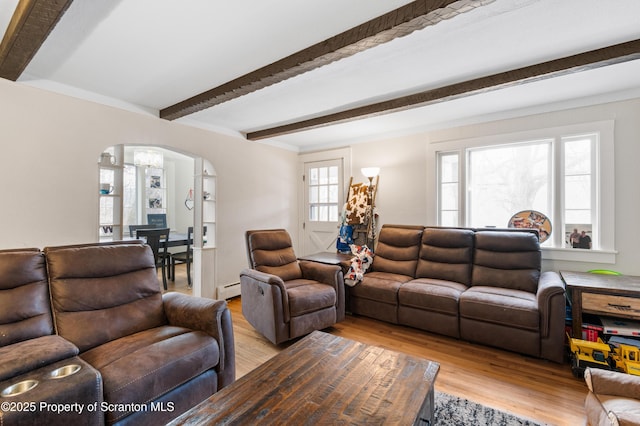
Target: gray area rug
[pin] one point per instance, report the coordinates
(455, 411)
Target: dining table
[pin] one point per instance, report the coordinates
(176, 239)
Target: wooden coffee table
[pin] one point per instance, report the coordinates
(326, 379)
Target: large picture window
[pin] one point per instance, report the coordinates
(566, 175)
(506, 179)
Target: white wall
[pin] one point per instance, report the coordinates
(181, 217)
(404, 197)
(51, 143)
(49, 176)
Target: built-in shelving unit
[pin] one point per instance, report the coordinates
(204, 239)
(110, 186)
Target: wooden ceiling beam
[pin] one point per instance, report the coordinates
(397, 23)
(593, 59)
(29, 27)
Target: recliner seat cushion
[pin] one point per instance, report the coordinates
(143, 366)
(380, 286)
(512, 308)
(306, 296)
(431, 295)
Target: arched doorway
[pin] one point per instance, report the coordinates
(143, 183)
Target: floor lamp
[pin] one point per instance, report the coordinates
(370, 173)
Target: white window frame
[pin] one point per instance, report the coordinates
(604, 191)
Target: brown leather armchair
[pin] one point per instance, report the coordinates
(283, 297)
(613, 399)
(151, 349)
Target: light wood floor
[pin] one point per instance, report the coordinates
(539, 390)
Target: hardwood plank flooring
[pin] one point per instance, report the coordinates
(532, 388)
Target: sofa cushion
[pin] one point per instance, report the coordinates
(31, 354)
(431, 295)
(271, 252)
(512, 308)
(112, 290)
(143, 366)
(397, 249)
(306, 296)
(380, 286)
(507, 259)
(25, 311)
(446, 254)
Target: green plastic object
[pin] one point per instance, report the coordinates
(604, 272)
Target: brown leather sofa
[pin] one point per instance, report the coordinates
(145, 357)
(32, 355)
(480, 285)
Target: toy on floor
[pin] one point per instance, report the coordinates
(621, 357)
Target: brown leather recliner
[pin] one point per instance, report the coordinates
(166, 352)
(283, 297)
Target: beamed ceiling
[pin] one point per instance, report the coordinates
(322, 73)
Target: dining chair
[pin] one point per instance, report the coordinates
(183, 257)
(158, 219)
(134, 228)
(157, 239)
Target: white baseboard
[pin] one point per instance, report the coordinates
(228, 291)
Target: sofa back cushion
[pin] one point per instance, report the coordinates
(446, 254)
(507, 259)
(397, 249)
(101, 292)
(25, 312)
(270, 251)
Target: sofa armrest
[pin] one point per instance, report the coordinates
(210, 316)
(22, 357)
(550, 297)
(605, 382)
(327, 274)
(254, 277)
(321, 272)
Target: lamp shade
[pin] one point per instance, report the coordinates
(370, 172)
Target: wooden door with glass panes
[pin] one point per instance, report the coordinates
(323, 183)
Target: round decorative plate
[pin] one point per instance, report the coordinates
(532, 219)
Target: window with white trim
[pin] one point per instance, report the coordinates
(323, 187)
(565, 173)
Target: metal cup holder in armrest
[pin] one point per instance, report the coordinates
(19, 388)
(65, 371)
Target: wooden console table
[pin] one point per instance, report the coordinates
(608, 295)
(326, 379)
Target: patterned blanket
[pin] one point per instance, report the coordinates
(362, 259)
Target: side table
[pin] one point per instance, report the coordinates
(609, 295)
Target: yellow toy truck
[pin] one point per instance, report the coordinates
(622, 357)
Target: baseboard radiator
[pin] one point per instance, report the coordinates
(228, 291)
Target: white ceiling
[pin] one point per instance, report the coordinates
(145, 55)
